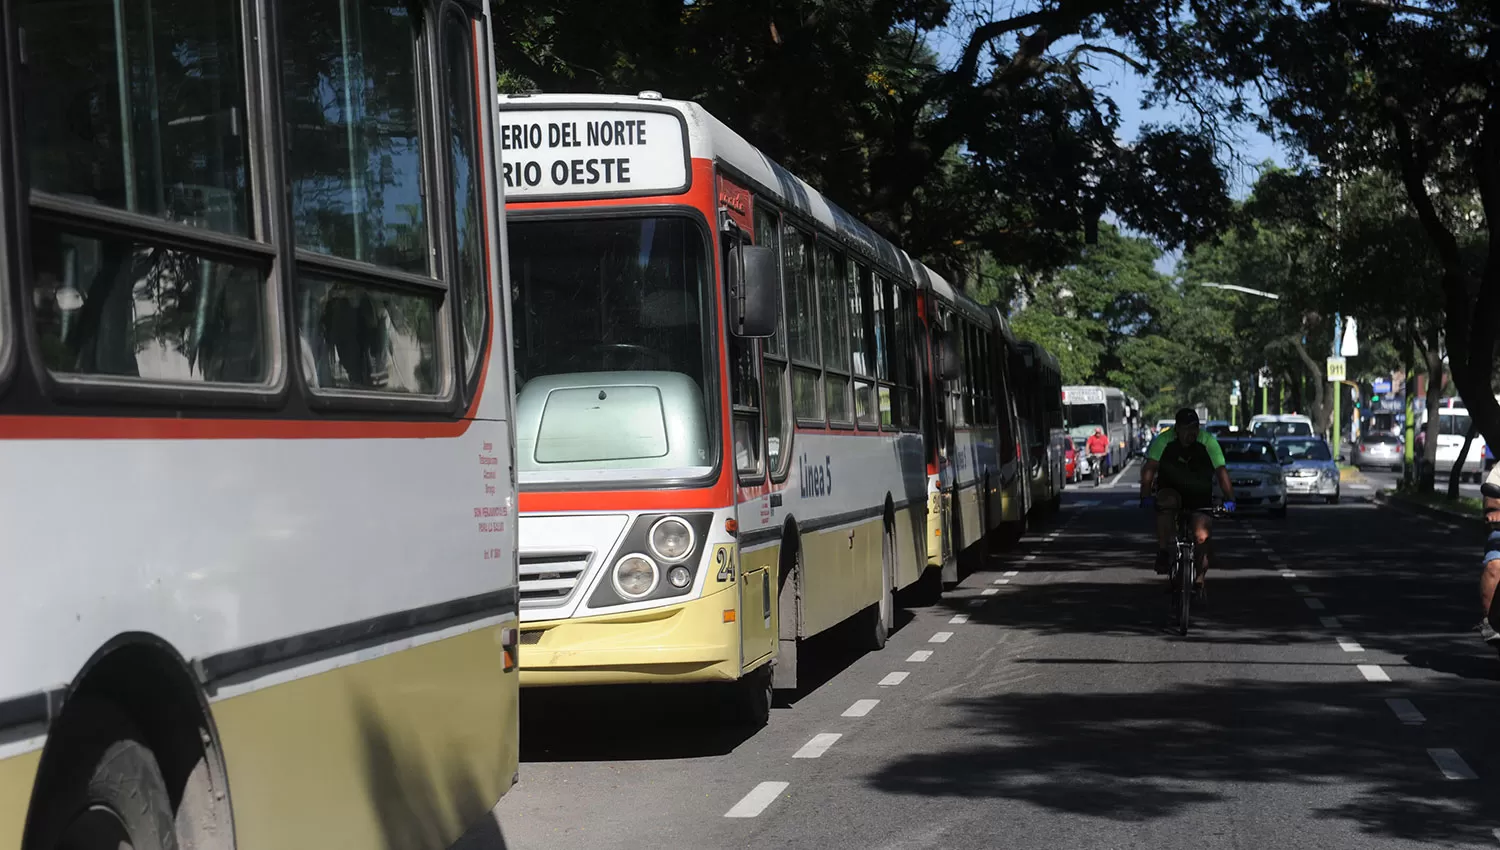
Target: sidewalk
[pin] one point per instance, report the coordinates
(1468, 517)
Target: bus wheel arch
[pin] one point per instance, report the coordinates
(138, 702)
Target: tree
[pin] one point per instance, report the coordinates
(1407, 90)
(1004, 151)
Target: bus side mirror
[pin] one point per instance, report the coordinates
(947, 359)
(754, 291)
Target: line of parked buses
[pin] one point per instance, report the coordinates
(316, 451)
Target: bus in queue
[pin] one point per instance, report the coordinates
(977, 491)
(255, 416)
(1039, 398)
(1087, 409)
(719, 403)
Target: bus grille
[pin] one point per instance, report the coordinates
(548, 579)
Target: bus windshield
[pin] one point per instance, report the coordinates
(611, 352)
(1084, 418)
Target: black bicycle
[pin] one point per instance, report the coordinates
(1184, 573)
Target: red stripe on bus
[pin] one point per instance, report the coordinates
(137, 428)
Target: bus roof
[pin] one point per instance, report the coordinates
(711, 139)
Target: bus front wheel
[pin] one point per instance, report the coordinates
(750, 698)
(107, 791)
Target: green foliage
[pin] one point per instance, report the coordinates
(1003, 152)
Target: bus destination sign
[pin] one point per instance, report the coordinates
(585, 153)
(1083, 395)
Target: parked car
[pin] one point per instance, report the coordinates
(1256, 473)
(1273, 426)
(1309, 468)
(1070, 461)
(1378, 450)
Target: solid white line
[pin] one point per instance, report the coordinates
(1451, 763)
(959, 619)
(920, 655)
(1373, 673)
(1406, 712)
(1002, 581)
(1313, 603)
(940, 637)
(988, 591)
(1011, 573)
(1331, 622)
(1350, 646)
(1302, 588)
(1124, 469)
(817, 746)
(861, 707)
(756, 801)
(892, 679)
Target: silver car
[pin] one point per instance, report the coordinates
(1310, 469)
(1382, 450)
(1256, 473)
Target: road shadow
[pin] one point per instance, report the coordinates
(1137, 757)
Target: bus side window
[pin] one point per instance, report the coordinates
(778, 410)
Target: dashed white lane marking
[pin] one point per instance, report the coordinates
(1001, 581)
(893, 679)
(1302, 588)
(1331, 622)
(940, 637)
(757, 800)
(1350, 646)
(1288, 574)
(1406, 712)
(989, 591)
(1313, 603)
(817, 746)
(861, 707)
(920, 655)
(959, 619)
(1451, 763)
(1029, 558)
(1373, 673)
(1011, 573)
(975, 603)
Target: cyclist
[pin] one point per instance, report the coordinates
(1181, 466)
(1098, 447)
(1489, 577)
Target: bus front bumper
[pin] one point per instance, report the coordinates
(688, 642)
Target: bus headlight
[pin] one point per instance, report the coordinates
(671, 539)
(635, 576)
(679, 576)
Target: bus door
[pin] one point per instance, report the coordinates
(760, 442)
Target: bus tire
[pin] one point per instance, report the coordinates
(107, 790)
(876, 622)
(750, 698)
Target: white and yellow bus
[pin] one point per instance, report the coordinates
(719, 402)
(255, 400)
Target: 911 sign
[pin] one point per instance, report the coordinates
(1336, 368)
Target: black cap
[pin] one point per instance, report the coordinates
(1187, 417)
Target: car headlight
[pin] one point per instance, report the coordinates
(635, 576)
(671, 539)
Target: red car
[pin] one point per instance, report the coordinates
(1070, 461)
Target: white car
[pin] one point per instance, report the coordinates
(1453, 427)
(1257, 475)
(1272, 426)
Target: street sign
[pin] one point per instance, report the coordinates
(1350, 347)
(1336, 368)
(1381, 386)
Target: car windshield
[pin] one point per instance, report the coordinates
(1247, 452)
(1304, 450)
(611, 355)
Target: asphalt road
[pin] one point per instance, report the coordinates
(1387, 480)
(1333, 694)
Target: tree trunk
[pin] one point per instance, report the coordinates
(1318, 411)
(1458, 465)
(1427, 477)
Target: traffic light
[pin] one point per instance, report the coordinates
(1374, 400)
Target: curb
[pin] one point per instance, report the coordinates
(1383, 497)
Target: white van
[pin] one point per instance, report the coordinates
(1269, 426)
(1453, 425)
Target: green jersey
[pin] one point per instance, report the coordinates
(1188, 469)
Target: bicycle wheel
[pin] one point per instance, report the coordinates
(1185, 571)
